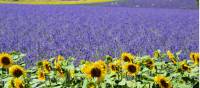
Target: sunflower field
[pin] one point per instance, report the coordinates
(160, 70)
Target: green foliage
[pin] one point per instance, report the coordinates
(74, 77)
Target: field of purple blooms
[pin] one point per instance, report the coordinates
(85, 32)
(180, 4)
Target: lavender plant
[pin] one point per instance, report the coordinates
(88, 32)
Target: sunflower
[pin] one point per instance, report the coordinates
(59, 70)
(118, 61)
(86, 68)
(101, 63)
(162, 81)
(197, 58)
(47, 66)
(132, 69)
(94, 70)
(114, 67)
(127, 57)
(194, 57)
(60, 58)
(18, 83)
(5, 60)
(171, 56)
(16, 71)
(149, 63)
(41, 74)
(184, 66)
(15, 83)
(156, 54)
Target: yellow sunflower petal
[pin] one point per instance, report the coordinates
(41, 74)
(127, 57)
(47, 66)
(16, 71)
(5, 60)
(131, 69)
(18, 83)
(171, 56)
(162, 81)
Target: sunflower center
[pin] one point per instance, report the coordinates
(184, 67)
(21, 86)
(41, 74)
(47, 67)
(113, 67)
(95, 72)
(131, 68)
(5, 60)
(17, 73)
(193, 56)
(126, 59)
(164, 83)
(149, 63)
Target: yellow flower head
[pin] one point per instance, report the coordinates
(60, 58)
(101, 63)
(118, 61)
(149, 63)
(114, 67)
(194, 57)
(94, 70)
(171, 56)
(47, 66)
(41, 74)
(131, 69)
(60, 71)
(197, 58)
(86, 68)
(156, 54)
(127, 57)
(162, 81)
(184, 66)
(18, 83)
(5, 60)
(16, 71)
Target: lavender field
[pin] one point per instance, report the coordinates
(172, 4)
(122, 44)
(87, 32)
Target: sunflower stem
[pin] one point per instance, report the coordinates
(156, 69)
(2, 78)
(49, 81)
(45, 83)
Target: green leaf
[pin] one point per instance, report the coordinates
(85, 82)
(178, 53)
(130, 84)
(123, 82)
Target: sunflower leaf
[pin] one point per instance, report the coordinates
(123, 82)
